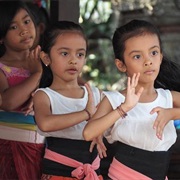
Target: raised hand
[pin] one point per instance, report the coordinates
(132, 97)
(34, 62)
(90, 107)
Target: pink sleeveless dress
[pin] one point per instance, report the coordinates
(21, 147)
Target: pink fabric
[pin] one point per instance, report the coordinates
(14, 75)
(81, 170)
(118, 171)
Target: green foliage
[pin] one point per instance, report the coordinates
(97, 23)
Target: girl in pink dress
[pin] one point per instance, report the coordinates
(21, 147)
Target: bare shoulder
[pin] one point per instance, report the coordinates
(40, 96)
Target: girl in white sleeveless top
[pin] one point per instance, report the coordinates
(139, 118)
(63, 107)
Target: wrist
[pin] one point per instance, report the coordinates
(124, 107)
(121, 111)
(88, 113)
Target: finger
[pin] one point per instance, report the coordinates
(140, 91)
(128, 83)
(137, 79)
(104, 153)
(156, 123)
(37, 52)
(155, 110)
(102, 146)
(159, 126)
(133, 80)
(92, 146)
(88, 87)
(159, 131)
(99, 151)
(32, 94)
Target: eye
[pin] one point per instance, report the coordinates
(154, 53)
(81, 54)
(27, 21)
(136, 57)
(13, 27)
(64, 53)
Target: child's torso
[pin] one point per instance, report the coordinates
(64, 105)
(137, 128)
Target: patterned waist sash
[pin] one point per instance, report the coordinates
(17, 120)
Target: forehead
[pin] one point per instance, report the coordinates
(21, 13)
(70, 39)
(142, 41)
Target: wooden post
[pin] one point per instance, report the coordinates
(64, 10)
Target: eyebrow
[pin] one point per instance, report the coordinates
(27, 15)
(136, 51)
(81, 49)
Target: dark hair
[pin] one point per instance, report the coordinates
(41, 18)
(40, 14)
(169, 74)
(49, 39)
(8, 9)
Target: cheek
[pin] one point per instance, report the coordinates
(32, 30)
(11, 39)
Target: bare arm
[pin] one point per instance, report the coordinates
(105, 116)
(47, 121)
(13, 97)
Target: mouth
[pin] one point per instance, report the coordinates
(72, 70)
(149, 72)
(26, 40)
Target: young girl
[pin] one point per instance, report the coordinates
(21, 147)
(63, 107)
(135, 117)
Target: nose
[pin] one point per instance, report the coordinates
(148, 63)
(73, 60)
(23, 32)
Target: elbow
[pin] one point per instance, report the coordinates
(87, 136)
(43, 128)
(8, 107)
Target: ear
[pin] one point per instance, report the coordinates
(45, 58)
(120, 65)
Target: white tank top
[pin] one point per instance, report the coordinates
(63, 105)
(136, 129)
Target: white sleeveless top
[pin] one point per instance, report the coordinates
(64, 105)
(136, 129)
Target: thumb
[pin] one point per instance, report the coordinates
(155, 110)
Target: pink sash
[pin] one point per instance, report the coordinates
(81, 170)
(118, 171)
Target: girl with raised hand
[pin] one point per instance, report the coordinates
(139, 118)
(21, 147)
(63, 107)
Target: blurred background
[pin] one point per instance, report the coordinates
(100, 18)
